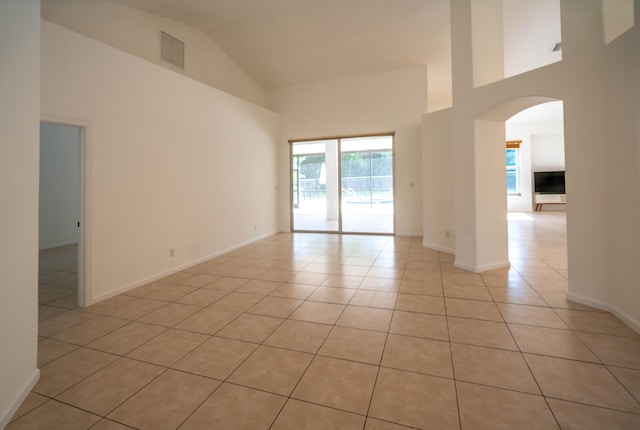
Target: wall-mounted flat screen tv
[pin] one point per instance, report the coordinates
(548, 182)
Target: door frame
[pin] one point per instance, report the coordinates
(339, 138)
(85, 291)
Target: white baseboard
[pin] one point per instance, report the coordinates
(438, 247)
(626, 318)
(485, 268)
(139, 283)
(19, 397)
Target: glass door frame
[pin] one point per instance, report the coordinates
(339, 139)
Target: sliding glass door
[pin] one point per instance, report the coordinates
(314, 168)
(343, 185)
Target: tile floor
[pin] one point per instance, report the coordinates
(313, 331)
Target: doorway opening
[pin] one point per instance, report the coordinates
(60, 274)
(343, 184)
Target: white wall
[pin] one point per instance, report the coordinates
(437, 181)
(59, 185)
(172, 163)
(19, 118)
(531, 28)
(599, 117)
(624, 189)
(384, 102)
(138, 33)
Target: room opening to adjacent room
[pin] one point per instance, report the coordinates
(343, 184)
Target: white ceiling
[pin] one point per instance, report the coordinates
(288, 42)
(551, 111)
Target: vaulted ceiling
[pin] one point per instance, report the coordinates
(287, 42)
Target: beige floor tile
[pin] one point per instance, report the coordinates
(519, 296)
(50, 349)
(375, 424)
(259, 287)
(202, 297)
(342, 281)
(134, 309)
(481, 333)
(531, 315)
(32, 401)
(237, 302)
(550, 341)
(166, 402)
(487, 408)
(234, 407)
(198, 280)
(462, 278)
(45, 311)
(476, 309)
(420, 303)
(279, 307)
(106, 389)
(294, 291)
(494, 367)
(431, 288)
(126, 338)
(596, 322)
(415, 400)
(226, 283)
(272, 369)
(389, 284)
(250, 328)
(105, 424)
(168, 347)
(580, 382)
(422, 276)
(70, 369)
(170, 314)
(299, 336)
(54, 415)
(216, 358)
(421, 325)
(630, 378)
(339, 384)
(506, 281)
(83, 333)
(297, 415)
(332, 295)
(472, 292)
(323, 313)
(276, 275)
(574, 416)
(208, 321)
(366, 318)
(354, 344)
(63, 321)
(168, 292)
(309, 278)
(432, 357)
(374, 299)
(390, 273)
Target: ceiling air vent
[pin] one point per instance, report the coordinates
(171, 50)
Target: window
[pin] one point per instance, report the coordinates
(513, 167)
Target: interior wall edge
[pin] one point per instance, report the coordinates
(19, 397)
(605, 306)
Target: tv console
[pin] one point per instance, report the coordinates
(548, 199)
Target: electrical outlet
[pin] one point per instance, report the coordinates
(447, 234)
(255, 226)
(171, 252)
